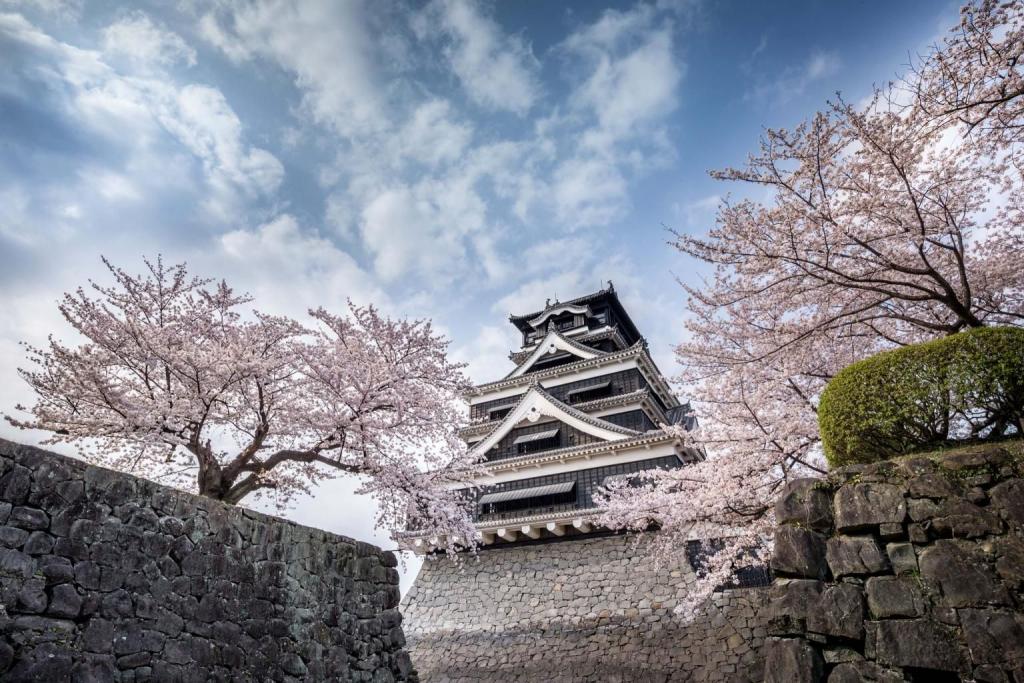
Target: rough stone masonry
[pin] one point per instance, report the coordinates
(594, 609)
(903, 570)
(106, 577)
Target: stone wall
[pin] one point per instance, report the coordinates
(105, 577)
(592, 609)
(905, 570)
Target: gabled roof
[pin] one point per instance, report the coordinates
(539, 403)
(610, 332)
(551, 343)
(643, 396)
(637, 350)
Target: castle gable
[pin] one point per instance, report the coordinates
(555, 348)
(538, 406)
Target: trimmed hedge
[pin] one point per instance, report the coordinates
(965, 387)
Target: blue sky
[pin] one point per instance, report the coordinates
(450, 160)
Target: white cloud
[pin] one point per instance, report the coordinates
(406, 230)
(325, 45)
(15, 218)
(589, 192)
(135, 113)
(700, 213)
(611, 29)
(61, 9)
(486, 356)
(290, 269)
(201, 118)
(628, 78)
(138, 38)
(111, 185)
(627, 92)
(431, 137)
(497, 71)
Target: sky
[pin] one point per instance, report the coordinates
(450, 160)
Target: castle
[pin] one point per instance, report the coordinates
(585, 403)
(551, 595)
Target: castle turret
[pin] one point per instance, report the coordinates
(584, 404)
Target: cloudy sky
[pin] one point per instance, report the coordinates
(447, 159)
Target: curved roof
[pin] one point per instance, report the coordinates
(538, 401)
(554, 339)
(637, 350)
(608, 294)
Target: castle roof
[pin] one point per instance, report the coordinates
(637, 350)
(529, 321)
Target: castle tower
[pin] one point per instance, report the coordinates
(551, 596)
(585, 403)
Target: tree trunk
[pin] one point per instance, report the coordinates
(211, 481)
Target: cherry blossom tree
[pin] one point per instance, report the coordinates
(174, 383)
(886, 224)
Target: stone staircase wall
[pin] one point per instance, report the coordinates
(910, 569)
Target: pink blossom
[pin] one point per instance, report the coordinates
(174, 384)
(886, 225)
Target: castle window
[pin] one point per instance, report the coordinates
(498, 412)
(561, 493)
(591, 393)
(537, 441)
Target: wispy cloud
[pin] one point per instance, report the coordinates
(794, 81)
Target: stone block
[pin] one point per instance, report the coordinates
(902, 557)
(891, 596)
(39, 543)
(890, 532)
(791, 602)
(13, 537)
(32, 596)
(863, 672)
(65, 601)
(792, 660)
(839, 612)
(867, 505)
(855, 555)
(28, 518)
(921, 509)
(1008, 500)
(1009, 552)
(962, 519)
(962, 573)
(799, 552)
(930, 485)
(807, 503)
(993, 636)
(917, 643)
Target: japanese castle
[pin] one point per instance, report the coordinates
(585, 403)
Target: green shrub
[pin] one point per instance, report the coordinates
(968, 386)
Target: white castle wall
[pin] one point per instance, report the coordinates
(594, 609)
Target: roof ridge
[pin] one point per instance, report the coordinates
(639, 345)
(603, 333)
(570, 302)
